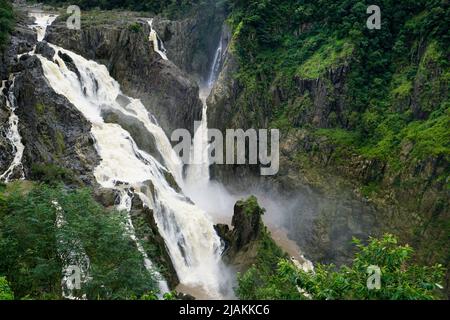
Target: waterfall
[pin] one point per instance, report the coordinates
(158, 45)
(210, 196)
(216, 65)
(193, 245)
(42, 22)
(197, 177)
(13, 134)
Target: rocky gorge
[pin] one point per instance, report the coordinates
(326, 192)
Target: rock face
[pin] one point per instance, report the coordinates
(52, 129)
(242, 243)
(191, 42)
(321, 217)
(121, 43)
(330, 192)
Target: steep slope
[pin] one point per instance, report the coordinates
(363, 114)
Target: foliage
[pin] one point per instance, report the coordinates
(33, 247)
(171, 7)
(135, 27)
(52, 174)
(6, 21)
(251, 206)
(279, 42)
(5, 291)
(400, 279)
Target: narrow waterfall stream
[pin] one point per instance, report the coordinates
(193, 245)
(15, 170)
(212, 196)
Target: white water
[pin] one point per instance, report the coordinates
(42, 22)
(209, 195)
(212, 196)
(125, 204)
(13, 135)
(193, 244)
(158, 45)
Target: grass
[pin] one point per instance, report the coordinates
(329, 56)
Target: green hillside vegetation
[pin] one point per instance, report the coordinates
(30, 243)
(6, 21)
(399, 279)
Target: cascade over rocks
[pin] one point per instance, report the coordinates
(164, 89)
(52, 130)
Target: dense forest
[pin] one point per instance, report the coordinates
(170, 7)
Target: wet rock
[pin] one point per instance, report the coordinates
(147, 230)
(106, 197)
(242, 243)
(166, 91)
(45, 50)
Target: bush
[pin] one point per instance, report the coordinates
(400, 278)
(6, 21)
(5, 291)
(32, 246)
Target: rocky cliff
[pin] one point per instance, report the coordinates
(52, 129)
(121, 42)
(341, 191)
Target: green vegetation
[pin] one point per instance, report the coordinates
(251, 206)
(6, 21)
(135, 27)
(278, 42)
(52, 174)
(400, 279)
(5, 291)
(368, 106)
(170, 7)
(32, 245)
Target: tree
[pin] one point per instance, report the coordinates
(400, 278)
(6, 20)
(32, 245)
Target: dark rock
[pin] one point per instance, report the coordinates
(52, 129)
(45, 50)
(191, 42)
(69, 63)
(106, 197)
(243, 242)
(147, 230)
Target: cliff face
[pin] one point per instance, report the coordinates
(120, 41)
(192, 41)
(51, 128)
(345, 190)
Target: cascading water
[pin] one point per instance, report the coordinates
(210, 196)
(158, 45)
(42, 22)
(193, 245)
(13, 135)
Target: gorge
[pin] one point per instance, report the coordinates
(96, 108)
